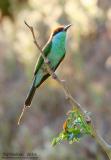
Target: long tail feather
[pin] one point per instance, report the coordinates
(27, 101)
(30, 96)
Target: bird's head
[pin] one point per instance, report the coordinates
(60, 29)
(59, 34)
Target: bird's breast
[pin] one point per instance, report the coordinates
(58, 44)
(57, 52)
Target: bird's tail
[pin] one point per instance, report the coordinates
(28, 100)
(30, 96)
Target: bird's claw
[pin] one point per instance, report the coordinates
(47, 61)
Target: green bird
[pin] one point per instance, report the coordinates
(54, 50)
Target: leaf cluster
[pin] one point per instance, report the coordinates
(74, 128)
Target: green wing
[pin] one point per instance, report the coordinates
(40, 60)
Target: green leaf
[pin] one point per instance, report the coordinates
(76, 128)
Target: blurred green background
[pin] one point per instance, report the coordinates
(86, 69)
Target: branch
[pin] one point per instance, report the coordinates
(106, 147)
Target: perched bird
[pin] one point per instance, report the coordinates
(54, 50)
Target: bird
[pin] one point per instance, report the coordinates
(54, 50)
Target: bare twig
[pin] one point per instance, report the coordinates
(106, 147)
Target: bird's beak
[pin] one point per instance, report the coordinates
(66, 27)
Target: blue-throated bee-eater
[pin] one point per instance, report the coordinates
(54, 50)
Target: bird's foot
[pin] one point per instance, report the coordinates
(47, 61)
